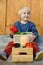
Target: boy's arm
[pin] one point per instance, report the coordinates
(34, 30)
(13, 30)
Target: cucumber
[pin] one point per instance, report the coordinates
(23, 33)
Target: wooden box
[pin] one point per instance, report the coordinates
(22, 38)
(17, 57)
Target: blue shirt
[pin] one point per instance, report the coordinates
(28, 27)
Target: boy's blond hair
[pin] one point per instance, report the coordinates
(23, 9)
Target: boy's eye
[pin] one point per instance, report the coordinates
(24, 13)
(28, 13)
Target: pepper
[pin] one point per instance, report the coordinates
(14, 29)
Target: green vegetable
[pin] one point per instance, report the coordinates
(23, 33)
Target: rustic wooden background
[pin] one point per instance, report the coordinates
(9, 10)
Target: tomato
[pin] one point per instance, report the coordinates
(28, 45)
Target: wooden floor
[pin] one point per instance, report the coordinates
(32, 63)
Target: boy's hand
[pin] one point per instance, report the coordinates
(13, 30)
(32, 37)
(11, 34)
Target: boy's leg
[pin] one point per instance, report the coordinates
(7, 51)
(8, 48)
(35, 49)
(38, 55)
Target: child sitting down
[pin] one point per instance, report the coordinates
(23, 25)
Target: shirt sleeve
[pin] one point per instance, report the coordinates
(34, 30)
(16, 24)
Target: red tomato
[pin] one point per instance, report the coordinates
(28, 45)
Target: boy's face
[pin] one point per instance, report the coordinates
(25, 15)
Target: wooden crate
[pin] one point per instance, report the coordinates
(16, 57)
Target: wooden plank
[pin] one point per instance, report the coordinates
(17, 50)
(22, 39)
(22, 58)
(35, 11)
(2, 16)
(35, 14)
(41, 16)
(41, 13)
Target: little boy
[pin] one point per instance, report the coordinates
(24, 25)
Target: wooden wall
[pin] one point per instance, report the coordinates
(2, 16)
(9, 13)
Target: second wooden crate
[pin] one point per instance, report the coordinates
(17, 57)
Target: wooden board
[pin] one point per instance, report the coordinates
(41, 16)
(22, 58)
(2, 16)
(17, 57)
(29, 51)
